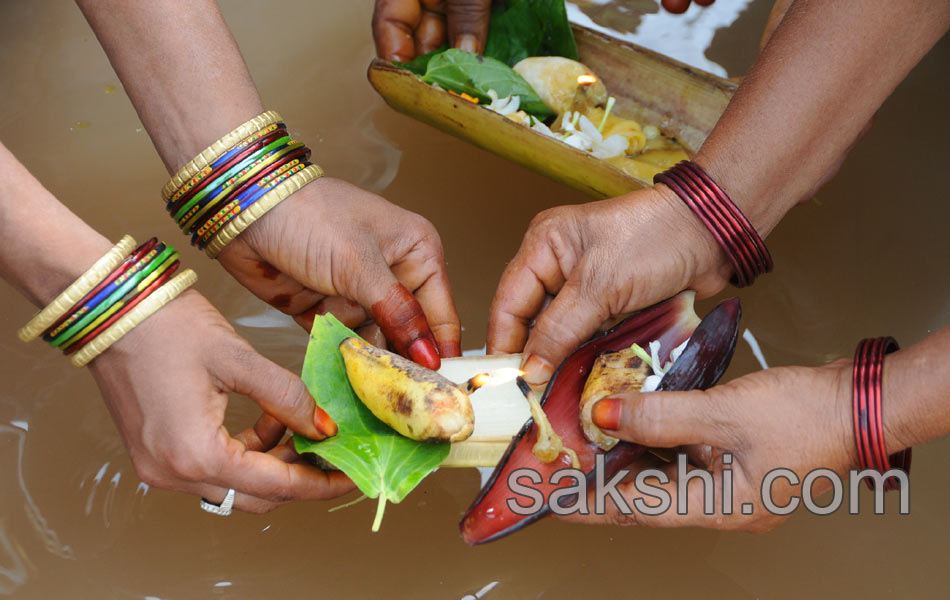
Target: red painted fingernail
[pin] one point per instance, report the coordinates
(606, 413)
(323, 422)
(423, 352)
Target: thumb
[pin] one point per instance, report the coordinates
(662, 419)
(281, 394)
(567, 322)
(398, 314)
(468, 23)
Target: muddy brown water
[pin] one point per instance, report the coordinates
(869, 257)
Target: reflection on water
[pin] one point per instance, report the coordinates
(75, 521)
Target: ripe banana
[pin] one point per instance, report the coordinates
(415, 401)
(613, 373)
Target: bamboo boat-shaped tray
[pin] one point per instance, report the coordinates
(683, 102)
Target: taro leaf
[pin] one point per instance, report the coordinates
(418, 64)
(523, 28)
(380, 462)
(461, 71)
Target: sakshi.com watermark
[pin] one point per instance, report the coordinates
(576, 498)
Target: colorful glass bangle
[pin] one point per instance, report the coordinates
(213, 177)
(217, 149)
(268, 201)
(159, 281)
(159, 298)
(740, 242)
(123, 285)
(77, 290)
(866, 392)
(70, 317)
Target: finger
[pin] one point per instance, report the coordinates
(372, 334)
(704, 2)
(565, 324)
(398, 314)
(279, 393)
(675, 6)
(662, 419)
(265, 434)
(468, 23)
(532, 275)
(271, 285)
(394, 22)
(435, 298)
(215, 494)
(266, 476)
(430, 34)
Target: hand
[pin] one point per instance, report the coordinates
(680, 6)
(334, 239)
(788, 417)
(598, 260)
(404, 29)
(166, 384)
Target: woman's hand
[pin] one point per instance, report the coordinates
(404, 29)
(333, 241)
(788, 417)
(598, 261)
(166, 384)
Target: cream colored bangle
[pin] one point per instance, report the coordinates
(217, 149)
(259, 208)
(159, 298)
(79, 288)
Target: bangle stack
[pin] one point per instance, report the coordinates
(739, 240)
(236, 180)
(118, 292)
(866, 392)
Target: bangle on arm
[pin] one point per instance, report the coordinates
(866, 393)
(236, 180)
(118, 292)
(732, 230)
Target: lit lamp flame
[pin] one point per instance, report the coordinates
(496, 377)
(586, 79)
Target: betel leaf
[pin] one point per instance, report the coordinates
(382, 463)
(419, 64)
(462, 71)
(523, 28)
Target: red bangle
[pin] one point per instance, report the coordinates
(866, 393)
(732, 230)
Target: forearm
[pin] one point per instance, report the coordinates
(45, 246)
(827, 69)
(180, 66)
(916, 395)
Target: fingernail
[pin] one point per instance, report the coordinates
(537, 370)
(423, 352)
(606, 413)
(450, 349)
(467, 42)
(323, 422)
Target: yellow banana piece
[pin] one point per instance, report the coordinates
(415, 401)
(613, 373)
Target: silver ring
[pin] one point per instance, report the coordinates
(223, 509)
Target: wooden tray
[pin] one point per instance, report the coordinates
(683, 102)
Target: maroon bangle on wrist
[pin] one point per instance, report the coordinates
(732, 230)
(866, 393)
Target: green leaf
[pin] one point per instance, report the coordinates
(418, 64)
(382, 463)
(461, 71)
(523, 28)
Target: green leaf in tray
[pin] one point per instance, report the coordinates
(461, 71)
(523, 28)
(419, 64)
(382, 463)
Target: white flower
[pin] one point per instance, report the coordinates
(584, 135)
(652, 381)
(503, 106)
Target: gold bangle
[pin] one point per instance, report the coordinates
(259, 208)
(159, 298)
(79, 288)
(217, 149)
